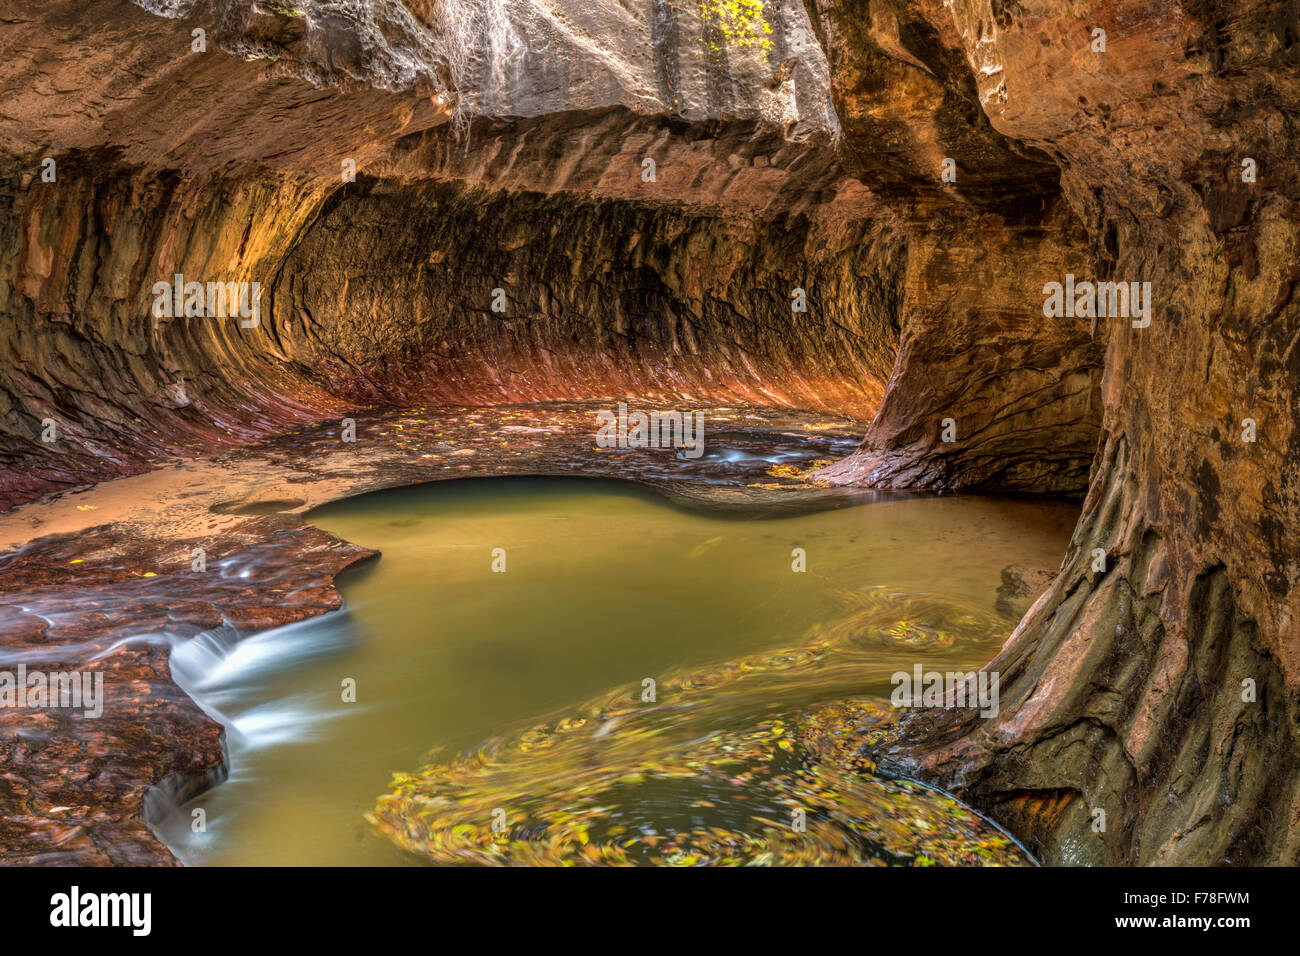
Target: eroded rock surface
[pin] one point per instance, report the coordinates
(112, 583)
(1162, 689)
(747, 205)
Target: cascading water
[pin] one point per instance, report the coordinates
(443, 652)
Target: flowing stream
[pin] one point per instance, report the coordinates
(641, 683)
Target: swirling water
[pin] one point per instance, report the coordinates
(513, 706)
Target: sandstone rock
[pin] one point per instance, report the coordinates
(1021, 587)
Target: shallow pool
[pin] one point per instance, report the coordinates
(502, 607)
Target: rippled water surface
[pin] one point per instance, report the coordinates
(516, 698)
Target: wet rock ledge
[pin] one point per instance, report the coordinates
(110, 586)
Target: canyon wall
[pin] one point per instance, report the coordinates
(712, 191)
(523, 297)
(1149, 701)
(987, 393)
(167, 160)
(91, 385)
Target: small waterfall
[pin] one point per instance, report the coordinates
(233, 678)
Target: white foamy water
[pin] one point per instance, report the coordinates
(235, 680)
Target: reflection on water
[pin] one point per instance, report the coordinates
(764, 682)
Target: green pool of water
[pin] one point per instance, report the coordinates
(605, 587)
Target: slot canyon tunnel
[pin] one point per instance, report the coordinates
(600, 202)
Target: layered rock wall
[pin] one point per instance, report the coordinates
(1157, 679)
(524, 297)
